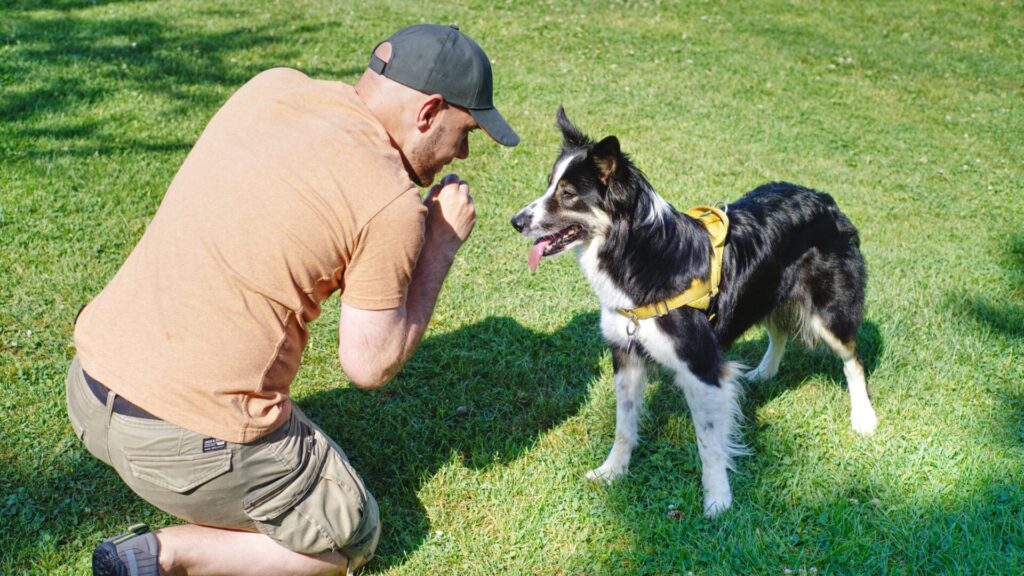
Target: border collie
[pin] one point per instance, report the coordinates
(791, 262)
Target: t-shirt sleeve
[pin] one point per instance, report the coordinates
(378, 274)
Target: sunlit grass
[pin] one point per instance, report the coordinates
(909, 114)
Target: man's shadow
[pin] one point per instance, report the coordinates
(482, 396)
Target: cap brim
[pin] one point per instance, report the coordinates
(493, 123)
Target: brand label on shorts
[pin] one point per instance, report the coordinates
(213, 444)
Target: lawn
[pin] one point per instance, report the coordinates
(911, 114)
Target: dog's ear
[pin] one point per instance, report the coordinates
(607, 157)
(570, 133)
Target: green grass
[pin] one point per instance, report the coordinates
(910, 114)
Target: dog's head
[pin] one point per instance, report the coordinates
(582, 195)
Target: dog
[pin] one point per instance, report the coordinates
(791, 261)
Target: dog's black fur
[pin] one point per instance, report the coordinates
(792, 261)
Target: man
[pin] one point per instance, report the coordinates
(296, 189)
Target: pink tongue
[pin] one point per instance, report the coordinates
(536, 253)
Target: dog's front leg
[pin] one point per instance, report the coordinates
(630, 383)
(714, 407)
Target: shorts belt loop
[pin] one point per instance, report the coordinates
(111, 396)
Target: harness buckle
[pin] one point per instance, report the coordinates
(712, 310)
(658, 306)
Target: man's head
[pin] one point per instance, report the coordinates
(430, 86)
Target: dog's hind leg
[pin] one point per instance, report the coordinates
(769, 366)
(862, 415)
(715, 410)
(630, 383)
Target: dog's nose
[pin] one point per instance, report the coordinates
(520, 220)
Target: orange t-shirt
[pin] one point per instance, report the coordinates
(292, 192)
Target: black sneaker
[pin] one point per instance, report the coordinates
(133, 553)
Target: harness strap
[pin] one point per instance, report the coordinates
(701, 290)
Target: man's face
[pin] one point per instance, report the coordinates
(447, 139)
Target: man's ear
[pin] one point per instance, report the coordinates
(429, 109)
(383, 51)
(606, 157)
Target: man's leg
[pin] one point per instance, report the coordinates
(199, 550)
(295, 483)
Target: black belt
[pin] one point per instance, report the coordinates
(121, 404)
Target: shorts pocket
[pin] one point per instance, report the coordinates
(320, 506)
(179, 473)
(282, 494)
(341, 506)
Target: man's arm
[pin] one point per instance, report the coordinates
(373, 345)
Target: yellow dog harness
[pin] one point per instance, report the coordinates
(701, 290)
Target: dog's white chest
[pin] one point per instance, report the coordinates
(608, 293)
(616, 330)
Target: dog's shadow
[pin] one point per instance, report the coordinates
(481, 395)
(1002, 313)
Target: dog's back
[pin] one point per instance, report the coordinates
(790, 246)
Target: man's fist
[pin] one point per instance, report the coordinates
(451, 214)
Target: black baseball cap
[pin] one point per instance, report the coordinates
(442, 60)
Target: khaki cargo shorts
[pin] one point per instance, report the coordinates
(295, 484)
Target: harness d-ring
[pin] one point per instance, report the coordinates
(631, 329)
(634, 323)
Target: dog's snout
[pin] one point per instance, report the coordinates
(520, 220)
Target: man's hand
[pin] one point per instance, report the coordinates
(451, 214)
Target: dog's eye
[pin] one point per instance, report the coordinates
(568, 193)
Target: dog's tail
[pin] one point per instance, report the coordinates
(730, 382)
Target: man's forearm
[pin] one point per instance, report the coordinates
(432, 268)
(373, 350)
(451, 216)
(391, 337)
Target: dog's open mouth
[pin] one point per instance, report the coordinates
(553, 244)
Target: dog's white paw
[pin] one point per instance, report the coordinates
(605, 474)
(753, 375)
(760, 374)
(864, 421)
(715, 504)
